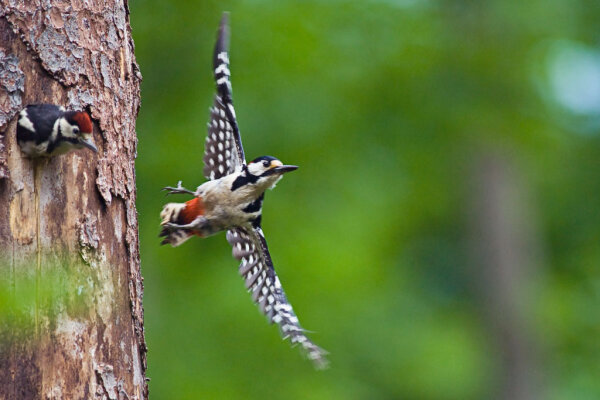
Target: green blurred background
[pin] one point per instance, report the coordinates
(441, 236)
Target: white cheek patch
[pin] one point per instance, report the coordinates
(65, 128)
(257, 168)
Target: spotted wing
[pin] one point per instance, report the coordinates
(223, 151)
(249, 246)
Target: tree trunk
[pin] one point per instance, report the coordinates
(507, 255)
(71, 316)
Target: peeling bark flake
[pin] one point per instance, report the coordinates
(12, 82)
(107, 382)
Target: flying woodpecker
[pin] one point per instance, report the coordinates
(45, 130)
(231, 200)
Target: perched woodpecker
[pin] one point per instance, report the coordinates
(232, 201)
(45, 130)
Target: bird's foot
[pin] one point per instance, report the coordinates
(198, 223)
(178, 190)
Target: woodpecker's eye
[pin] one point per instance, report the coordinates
(266, 163)
(75, 130)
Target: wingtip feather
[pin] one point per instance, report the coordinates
(224, 19)
(223, 34)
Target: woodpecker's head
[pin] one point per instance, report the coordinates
(261, 173)
(76, 130)
(268, 170)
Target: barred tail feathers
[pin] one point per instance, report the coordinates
(170, 214)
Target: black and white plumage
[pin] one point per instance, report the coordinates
(223, 151)
(232, 201)
(45, 130)
(250, 246)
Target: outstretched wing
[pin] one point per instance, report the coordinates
(249, 246)
(223, 151)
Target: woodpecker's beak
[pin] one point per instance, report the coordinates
(89, 143)
(282, 169)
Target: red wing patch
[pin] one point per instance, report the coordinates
(84, 122)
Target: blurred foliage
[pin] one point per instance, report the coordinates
(385, 105)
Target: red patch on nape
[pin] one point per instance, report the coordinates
(83, 120)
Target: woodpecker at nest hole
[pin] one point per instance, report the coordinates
(45, 130)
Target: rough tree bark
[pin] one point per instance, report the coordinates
(71, 317)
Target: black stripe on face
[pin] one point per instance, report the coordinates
(257, 221)
(244, 179)
(255, 206)
(53, 144)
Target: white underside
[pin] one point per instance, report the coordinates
(35, 150)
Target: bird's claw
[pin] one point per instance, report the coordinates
(177, 190)
(198, 223)
(171, 226)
